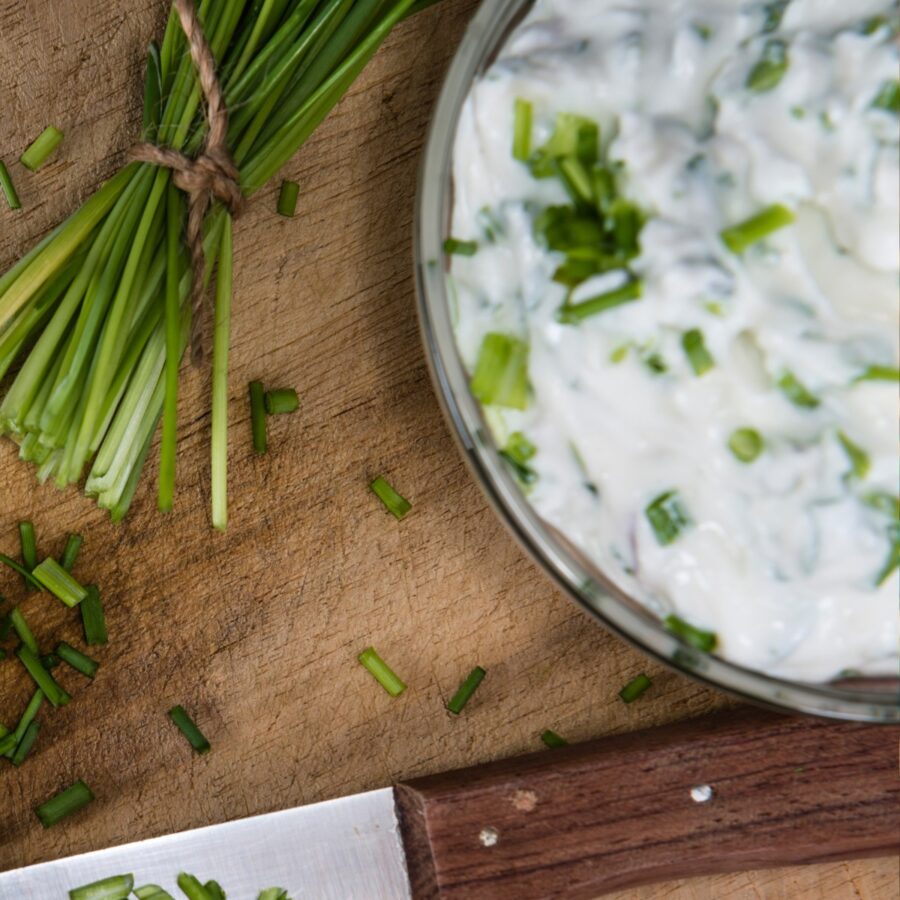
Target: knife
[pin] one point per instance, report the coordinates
(735, 790)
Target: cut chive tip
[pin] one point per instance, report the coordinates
(187, 727)
(42, 148)
(287, 199)
(455, 247)
(635, 688)
(258, 417)
(552, 739)
(77, 660)
(465, 690)
(71, 551)
(116, 887)
(8, 188)
(397, 505)
(381, 672)
(64, 804)
(696, 637)
(281, 400)
(54, 578)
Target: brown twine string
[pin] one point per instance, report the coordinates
(212, 175)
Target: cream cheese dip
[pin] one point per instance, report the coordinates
(674, 277)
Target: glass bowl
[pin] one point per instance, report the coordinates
(865, 699)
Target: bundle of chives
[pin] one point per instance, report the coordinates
(97, 316)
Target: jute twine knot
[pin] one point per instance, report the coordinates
(212, 175)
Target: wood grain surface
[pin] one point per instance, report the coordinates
(256, 631)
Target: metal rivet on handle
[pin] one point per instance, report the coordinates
(702, 793)
(488, 836)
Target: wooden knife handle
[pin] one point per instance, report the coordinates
(582, 820)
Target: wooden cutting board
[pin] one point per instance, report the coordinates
(256, 631)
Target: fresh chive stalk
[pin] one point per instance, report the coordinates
(22, 630)
(552, 739)
(695, 349)
(42, 678)
(24, 746)
(152, 92)
(93, 620)
(77, 660)
(54, 578)
(8, 188)
(281, 400)
(7, 744)
(381, 672)
(501, 372)
(668, 517)
(574, 313)
(859, 459)
(42, 148)
(635, 688)
(287, 199)
(455, 247)
(116, 887)
(738, 238)
(395, 504)
(258, 423)
(465, 690)
(696, 637)
(187, 727)
(523, 113)
(66, 802)
(746, 444)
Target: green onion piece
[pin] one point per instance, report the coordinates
(746, 444)
(186, 724)
(22, 630)
(34, 705)
(522, 119)
(42, 678)
(71, 551)
(501, 372)
(152, 92)
(39, 151)
(27, 742)
(552, 739)
(739, 237)
(398, 506)
(258, 417)
(696, 637)
(93, 620)
(454, 247)
(796, 391)
(59, 582)
(192, 888)
(635, 688)
(50, 661)
(287, 199)
(116, 887)
(8, 188)
(77, 660)
(888, 97)
(667, 517)
(465, 690)
(879, 373)
(859, 459)
(281, 400)
(695, 349)
(381, 672)
(29, 546)
(64, 804)
(572, 314)
(214, 889)
(770, 69)
(273, 894)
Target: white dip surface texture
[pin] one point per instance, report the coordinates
(782, 555)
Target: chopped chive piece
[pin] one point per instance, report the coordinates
(281, 400)
(635, 688)
(27, 742)
(29, 546)
(552, 739)
(77, 660)
(619, 354)
(71, 551)
(739, 237)
(398, 506)
(192, 888)
(770, 69)
(50, 661)
(573, 313)
(696, 637)
(575, 179)
(655, 363)
(39, 151)
(64, 804)
(22, 629)
(774, 14)
(517, 452)
(7, 744)
(287, 199)
(501, 372)
(746, 444)
(151, 892)
(667, 517)
(893, 561)
(258, 417)
(59, 582)
(888, 97)
(454, 247)
(93, 620)
(573, 136)
(522, 119)
(193, 734)
(879, 373)
(116, 887)
(381, 672)
(214, 889)
(8, 188)
(695, 349)
(703, 31)
(796, 391)
(465, 690)
(42, 678)
(273, 894)
(859, 459)
(34, 705)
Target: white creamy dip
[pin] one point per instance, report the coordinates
(780, 555)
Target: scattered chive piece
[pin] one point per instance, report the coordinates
(50, 661)
(667, 517)
(22, 629)
(42, 678)
(381, 672)
(572, 314)
(552, 739)
(287, 199)
(258, 417)
(214, 889)
(879, 373)
(522, 118)
(655, 363)
(796, 391)
(888, 97)
(152, 892)
(93, 620)
(116, 887)
(39, 151)
(64, 804)
(746, 444)
(501, 372)
(34, 705)
(517, 452)
(635, 688)
(186, 724)
(59, 582)
(739, 237)
(8, 188)
(27, 742)
(29, 546)
(398, 506)
(192, 888)
(696, 637)
(859, 459)
(77, 660)
(454, 247)
(695, 349)
(465, 690)
(70, 554)
(281, 400)
(770, 69)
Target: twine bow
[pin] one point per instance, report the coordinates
(212, 175)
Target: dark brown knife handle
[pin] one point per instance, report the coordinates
(614, 813)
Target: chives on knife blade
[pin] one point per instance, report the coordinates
(116, 887)
(381, 672)
(465, 690)
(281, 400)
(187, 727)
(66, 802)
(93, 620)
(287, 199)
(42, 148)
(395, 504)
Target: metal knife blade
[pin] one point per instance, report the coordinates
(344, 849)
